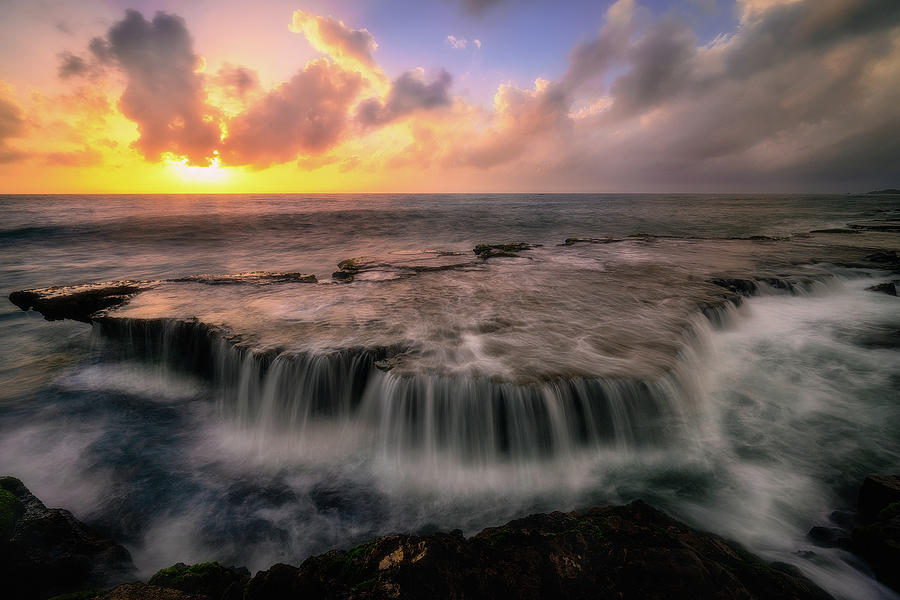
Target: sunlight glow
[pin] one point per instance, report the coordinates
(215, 173)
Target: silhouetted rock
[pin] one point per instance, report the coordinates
(46, 551)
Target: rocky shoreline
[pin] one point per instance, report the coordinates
(631, 551)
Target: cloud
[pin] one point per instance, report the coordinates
(238, 81)
(86, 157)
(457, 43)
(71, 65)
(12, 125)
(409, 93)
(801, 96)
(462, 43)
(330, 36)
(164, 94)
(308, 114)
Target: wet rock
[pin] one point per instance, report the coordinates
(280, 581)
(890, 256)
(885, 288)
(879, 544)
(845, 519)
(577, 240)
(251, 277)
(876, 494)
(46, 551)
(829, 537)
(837, 230)
(80, 303)
(349, 267)
(885, 225)
(209, 580)
(625, 552)
(486, 251)
(744, 287)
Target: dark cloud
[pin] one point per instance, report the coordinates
(308, 114)
(164, 94)
(803, 94)
(238, 81)
(478, 7)
(71, 65)
(12, 125)
(409, 93)
(661, 64)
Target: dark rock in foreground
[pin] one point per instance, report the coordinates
(878, 539)
(209, 579)
(877, 493)
(632, 551)
(46, 551)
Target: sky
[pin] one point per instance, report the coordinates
(301, 96)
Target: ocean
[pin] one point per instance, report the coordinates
(718, 356)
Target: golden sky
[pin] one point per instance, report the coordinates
(713, 95)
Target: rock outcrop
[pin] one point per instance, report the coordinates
(632, 551)
(46, 551)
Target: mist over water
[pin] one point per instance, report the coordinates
(512, 400)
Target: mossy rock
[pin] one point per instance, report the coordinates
(209, 579)
(349, 264)
(10, 511)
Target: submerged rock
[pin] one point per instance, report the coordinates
(251, 277)
(578, 240)
(510, 250)
(888, 288)
(838, 230)
(829, 537)
(46, 551)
